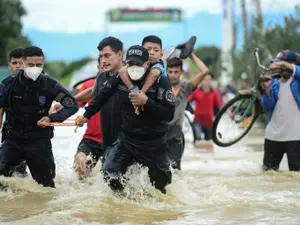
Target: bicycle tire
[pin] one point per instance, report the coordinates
(191, 126)
(223, 110)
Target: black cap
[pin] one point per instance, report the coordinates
(137, 54)
(285, 55)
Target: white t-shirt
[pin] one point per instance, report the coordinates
(285, 120)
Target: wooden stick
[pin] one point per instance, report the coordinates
(66, 124)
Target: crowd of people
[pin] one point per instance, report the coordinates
(134, 113)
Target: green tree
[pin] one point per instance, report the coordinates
(11, 12)
(270, 42)
(210, 55)
(61, 70)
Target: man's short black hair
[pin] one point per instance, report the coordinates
(15, 53)
(212, 75)
(32, 51)
(152, 39)
(174, 62)
(114, 43)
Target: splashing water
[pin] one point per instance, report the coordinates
(223, 187)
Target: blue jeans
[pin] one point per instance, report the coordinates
(199, 130)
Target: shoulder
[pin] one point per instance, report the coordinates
(164, 82)
(7, 80)
(158, 65)
(185, 83)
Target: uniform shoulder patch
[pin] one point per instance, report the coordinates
(169, 96)
(68, 101)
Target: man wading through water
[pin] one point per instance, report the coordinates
(181, 89)
(143, 136)
(110, 51)
(281, 98)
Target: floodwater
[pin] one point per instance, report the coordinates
(223, 187)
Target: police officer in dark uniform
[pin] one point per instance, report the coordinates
(143, 137)
(27, 98)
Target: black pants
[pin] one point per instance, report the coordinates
(21, 168)
(121, 155)
(91, 148)
(175, 151)
(38, 155)
(274, 151)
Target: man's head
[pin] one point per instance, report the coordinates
(111, 50)
(154, 46)
(33, 60)
(207, 81)
(137, 60)
(15, 60)
(286, 56)
(174, 70)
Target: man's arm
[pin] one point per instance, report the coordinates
(203, 71)
(125, 77)
(85, 96)
(161, 109)
(101, 97)
(83, 88)
(68, 102)
(151, 79)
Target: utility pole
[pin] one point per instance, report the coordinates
(260, 21)
(227, 40)
(245, 19)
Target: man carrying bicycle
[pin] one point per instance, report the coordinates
(281, 98)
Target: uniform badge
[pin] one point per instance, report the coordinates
(170, 97)
(42, 100)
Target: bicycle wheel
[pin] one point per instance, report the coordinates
(235, 120)
(187, 128)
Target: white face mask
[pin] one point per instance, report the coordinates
(136, 72)
(33, 72)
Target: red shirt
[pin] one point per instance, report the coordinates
(93, 130)
(205, 103)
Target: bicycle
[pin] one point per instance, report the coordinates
(243, 110)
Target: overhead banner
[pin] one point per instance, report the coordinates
(145, 15)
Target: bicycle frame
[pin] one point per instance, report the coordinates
(252, 91)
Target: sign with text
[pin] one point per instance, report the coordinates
(145, 15)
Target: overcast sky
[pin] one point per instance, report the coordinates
(80, 16)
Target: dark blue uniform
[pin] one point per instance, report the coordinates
(143, 137)
(26, 102)
(110, 112)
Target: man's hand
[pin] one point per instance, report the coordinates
(43, 121)
(138, 99)
(267, 81)
(80, 121)
(277, 65)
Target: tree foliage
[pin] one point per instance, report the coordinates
(61, 69)
(211, 56)
(11, 12)
(270, 42)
